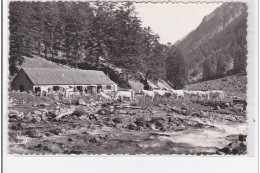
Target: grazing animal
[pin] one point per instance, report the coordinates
(160, 93)
(68, 92)
(147, 93)
(44, 90)
(218, 95)
(105, 96)
(191, 93)
(203, 94)
(132, 92)
(178, 93)
(124, 94)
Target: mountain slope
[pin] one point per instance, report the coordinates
(218, 43)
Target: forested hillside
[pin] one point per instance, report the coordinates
(218, 46)
(87, 34)
(84, 33)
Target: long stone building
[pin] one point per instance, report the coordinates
(33, 79)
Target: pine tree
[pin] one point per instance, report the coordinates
(176, 68)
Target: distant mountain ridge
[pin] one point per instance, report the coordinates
(220, 40)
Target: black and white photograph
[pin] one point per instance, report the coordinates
(127, 78)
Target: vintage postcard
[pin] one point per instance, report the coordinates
(129, 78)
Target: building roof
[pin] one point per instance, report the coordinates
(47, 76)
(151, 84)
(163, 85)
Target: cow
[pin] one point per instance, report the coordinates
(178, 93)
(160, 93)
(147, 93)
(191, 94)
(104, 95)
(203, 95)
(69, 92)
(217, 94)
(124, 94)
(44, 90)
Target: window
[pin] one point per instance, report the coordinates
(109, 87)
(56, 88)
(79, 88)
(21, 88)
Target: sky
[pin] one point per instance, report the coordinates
(173, 21)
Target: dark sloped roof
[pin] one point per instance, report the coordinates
(46, 76)
(162, 84)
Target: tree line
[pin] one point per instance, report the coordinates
(90, 31)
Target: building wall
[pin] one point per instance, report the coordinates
(23, 80)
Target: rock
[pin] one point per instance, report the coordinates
(83, 117)
(227, 104)
(203, 114)
(160, 105)
(36, 119)
(104, 111)
(37, 112)
(57, 108)
(117, 120)
(197, 114)
(69, 139)
(242, 137)
(28, 116)
(35, 105)
(44, 117)
(57, 103)
(15, 114)
(216, 108)
(122, 111)
(226, 150)
(95, 140)
(47, 134)
(32, 134)
(56, 98)
(44, 104)
(17, 126)
(81, 102)
(55, 131)
(132, 126)
(234, 144)
(43, 110)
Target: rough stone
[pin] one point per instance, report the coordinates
(216, 108)
(37, 112)
(81, 102)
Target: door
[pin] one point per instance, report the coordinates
(21, 88)
(99, 88)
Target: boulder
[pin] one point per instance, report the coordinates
(28, 116)
(32, 134)
(117, 120)
(36, 112)
(81, 102)
(57, 108)
(43, 110)
(44, 117)
(44, 104)
(57, 103)
(216, 108)
(56, 98)
(15, 114)
(227, 104)
(122, 111)
(242, 137)
(36, 119)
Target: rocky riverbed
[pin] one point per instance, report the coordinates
(48, 125)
